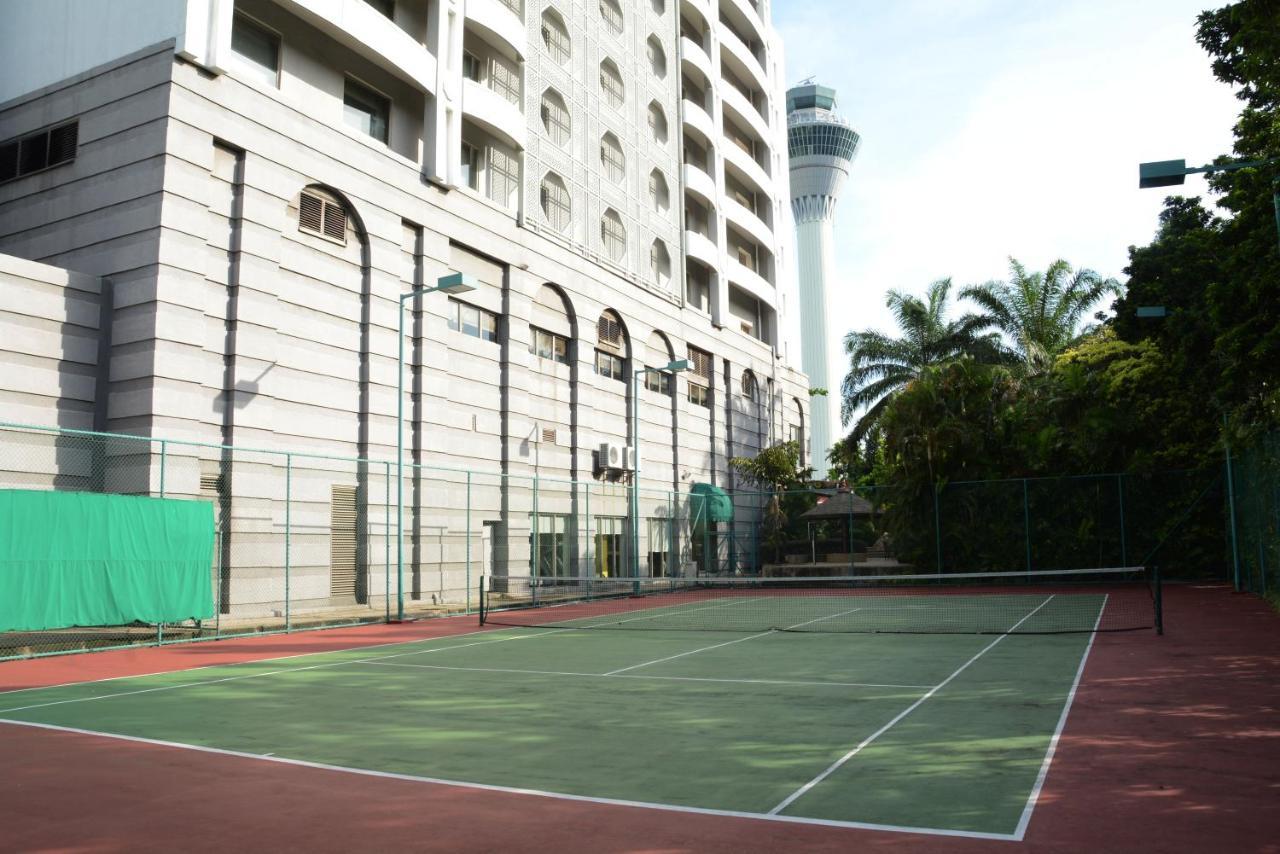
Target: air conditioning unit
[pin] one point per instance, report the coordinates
(610, 456)
(629, 458)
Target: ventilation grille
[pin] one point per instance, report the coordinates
(321, 216)
(39, 151)
(342, 542)
(548, 435)
(700, 360)
(609, 331)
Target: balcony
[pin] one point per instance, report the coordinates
(494, 113)
(702, 248)
(692, 53)
(747, 10)
(745, 57)
(699, 119)
(745, 110)
(746, 219)
(751, 282)
(498, 24)
(747, 165)
(698, 182)
(358, 26)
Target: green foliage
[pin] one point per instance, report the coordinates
(776, 468)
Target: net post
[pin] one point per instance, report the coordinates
(480, 607)
(1158, 593)
(468, 576)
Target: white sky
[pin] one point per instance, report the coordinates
(1000, 127)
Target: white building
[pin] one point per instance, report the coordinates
(241, 192)
(822, 148)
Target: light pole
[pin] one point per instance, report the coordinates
(455, 283)
(671, 369)
(1170, 173)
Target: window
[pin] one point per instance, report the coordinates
(39, 151)
(659, 263)
(386, 7)
(555, 37)
(555, 202)
(548, 345)
(661, 554)
(366, 110)
(611, 84)
(657, 123)
(473, 321)
(655, 380)
(610, 540)
(657, 57)
(470, 166)
(549, 545)
(699, 395)
(504, 176)
(322, 216)
(504, 78)
(659, 196)
(659, 6)
(612, 14)
(612, 235)
(700, 363)
(615, 166)
(609, 331)
(471, 66)
(257, 49)
(697, 286)
(555, 118)
(609, 365)
(750, 389)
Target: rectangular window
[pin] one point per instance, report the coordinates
(504, 176)
(366, 111)
(610, 540)
(257, 49)
(549, 546)
(609, 365)
(659, 547)
(473, 321)
(548, 345)
(470, 166)
(657, 381)
(504, 78)
(699, 395)
(471, 66)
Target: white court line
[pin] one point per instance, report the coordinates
(1025, 818)
(248, 661)
(834, 766)
(726, 643)
(271, 672)
(642, 676)
(488, 787)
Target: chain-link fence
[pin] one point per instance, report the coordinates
(1255, 482)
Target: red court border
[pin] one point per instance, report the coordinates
(1173, 744)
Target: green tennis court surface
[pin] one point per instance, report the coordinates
(948, 733)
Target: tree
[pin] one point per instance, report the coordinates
(776, 469)
(880, 366)
(1040, 312)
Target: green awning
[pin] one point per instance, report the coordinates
(710, 502)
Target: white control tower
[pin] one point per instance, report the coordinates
(822, 147)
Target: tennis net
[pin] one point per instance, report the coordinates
(1044, 602)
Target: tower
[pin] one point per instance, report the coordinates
(822, 146)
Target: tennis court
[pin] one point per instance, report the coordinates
(753, 701)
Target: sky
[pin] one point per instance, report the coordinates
(997, 128)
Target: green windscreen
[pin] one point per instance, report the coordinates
(86, 559)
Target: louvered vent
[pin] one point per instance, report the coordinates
(701, 362)
(321, 216)
(39, 151)
(342, 542)
(548, 435)
(609, 331)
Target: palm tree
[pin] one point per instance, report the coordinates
(880, 366)
(1040, 312)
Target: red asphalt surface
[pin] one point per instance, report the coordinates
(1172, 745)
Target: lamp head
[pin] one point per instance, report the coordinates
(677, 366)
(456, 283)
(1161, 173)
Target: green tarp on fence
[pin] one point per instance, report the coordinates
(86, 559)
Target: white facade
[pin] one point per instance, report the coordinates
(822, 147)
(257, 182)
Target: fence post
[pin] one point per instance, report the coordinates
(288, 537)
(468, 574)
(937, 526)
(386, 540)
(1231, 508)
(163, 459)
(1026, 521)
(589, 570)
(536, 557)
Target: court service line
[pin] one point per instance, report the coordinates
(538, 793)
(834, 766)
(643, 676)
(1025, 819)
(718, 645)
(270, 673)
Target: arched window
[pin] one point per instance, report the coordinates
(555, 36)
(611, 346)
(555, 118)
(659, 7)
(657, 123)
(556, 206)
(612, 159)
(750, 388)
(611, 12)
(551, 326)
(613, 237)
(660, 354)
(657, 58)
(611, 84)
(660, 263)
(659, 195)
